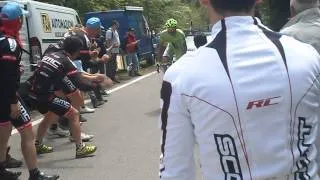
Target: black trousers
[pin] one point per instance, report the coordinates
(111, 67)
(98, 68)
(97, 91)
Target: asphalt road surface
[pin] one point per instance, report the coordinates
(126, 133)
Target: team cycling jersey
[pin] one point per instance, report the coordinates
(54, 73)
(177, 42)
(252, 107)
(10, 57)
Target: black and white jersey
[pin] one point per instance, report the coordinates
(10, 57)
(249, 99)
(53, 74)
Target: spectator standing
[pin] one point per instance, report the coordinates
(131, 47)
(113, 43)
(305, 22)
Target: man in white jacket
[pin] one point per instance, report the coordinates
(249, 99)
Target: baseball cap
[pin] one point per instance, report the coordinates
(131, 29)
(93, 23)
(12, 10)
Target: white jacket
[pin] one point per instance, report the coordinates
(249, 99)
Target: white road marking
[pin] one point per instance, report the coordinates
(15, 131)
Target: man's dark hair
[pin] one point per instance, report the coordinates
(72, 44)
(200, 39)
(233, 5)
(114, 22)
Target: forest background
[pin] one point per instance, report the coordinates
(189, 13)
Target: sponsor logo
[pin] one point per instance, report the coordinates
(52, 62)
(24, 113)
(62, 23)
(46, 26)
(303, 146)
(61, 102)
(69, 83)
(228, 157)
(263, 103)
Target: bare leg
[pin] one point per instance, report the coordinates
(5, 132)
(48, 119)
(73, 116)
(28, 148)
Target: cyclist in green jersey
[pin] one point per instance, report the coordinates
(173, 39)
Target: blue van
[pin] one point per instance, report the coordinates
(129, 17)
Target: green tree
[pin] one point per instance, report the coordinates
(275, 13)
(156, 11)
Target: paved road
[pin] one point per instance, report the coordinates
(126, 132)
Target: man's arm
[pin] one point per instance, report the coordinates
(87, 82)
(168, 53)
(109, 39)
(162, 45)
(185, 47)
(177, 159)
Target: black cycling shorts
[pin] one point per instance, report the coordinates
(23, 121)
(53, 104)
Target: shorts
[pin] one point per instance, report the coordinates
(23, 121)
(53, 104)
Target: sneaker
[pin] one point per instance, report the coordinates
(116, 81)
(137, 74)
(131, 73)
(86, 109)
(8, 175)
(84, 137)
(104, 93)
(94, 101)
(85, 151)
(100, 102)
(43, 149)
(42, 176)
(59, 132)
(12, 162)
